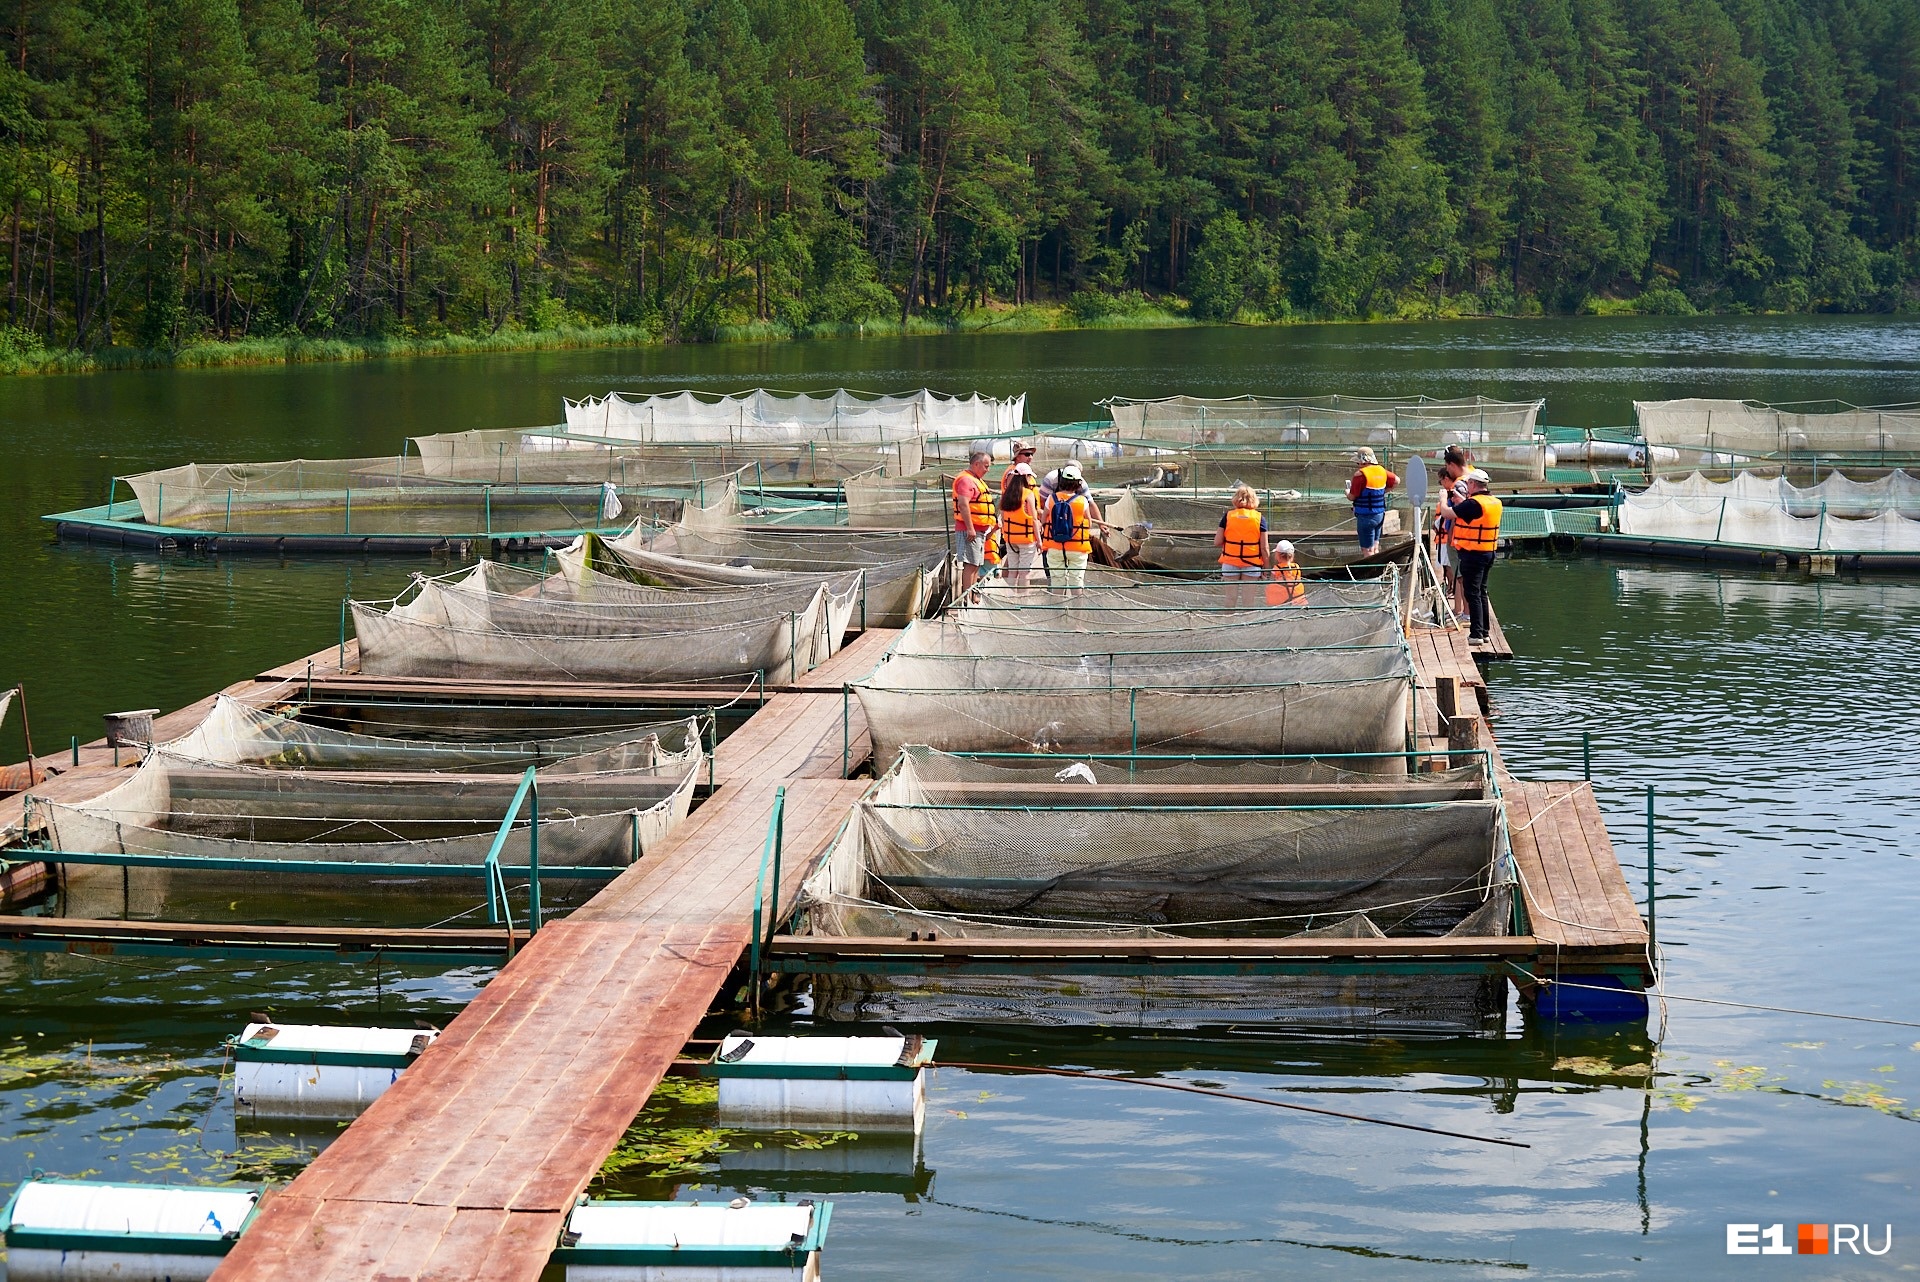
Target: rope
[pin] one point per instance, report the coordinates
(1717, 1001)
(1244, 1099)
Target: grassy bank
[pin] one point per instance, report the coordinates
(20, 355)
(16, 358)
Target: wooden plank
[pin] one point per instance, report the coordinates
(347, 938)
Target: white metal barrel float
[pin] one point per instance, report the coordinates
(312, 1072)
(822, 1083)
(91, 1231)
(738, 1241)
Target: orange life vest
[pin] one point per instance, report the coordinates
(1286, 587)
(1242, 544)
(1482, 535)
(1082, 540)
(979, 503)
(1022, 526)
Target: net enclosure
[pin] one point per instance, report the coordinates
(900, 575)
(1336, 699)
(767, 416)
(238, 734)
(499, 622)
(509, 454)
(1331, 422)
(1117, 593)
(1307, 847)
(1733, 430)
(601, 809)
(1837, 515)
(1062, 632)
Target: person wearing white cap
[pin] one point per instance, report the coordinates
(1020, 525)
(1285, 587)
(1367, 491)
(1476, 537)
(1066, 526)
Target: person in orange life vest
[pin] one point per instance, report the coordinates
(1286, 587)
(1476, 536)
(1244, 555)
(1023, 452)
(1453, 489)
(972, 517)
(1020, 525)
(1367, 491)
(1067, 557)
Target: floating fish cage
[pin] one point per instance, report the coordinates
(94, 1231)
(822, 1083)
(309, 1072)
(738, 1241)
(1024, 867)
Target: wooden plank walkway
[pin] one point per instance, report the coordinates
(1571, 882)
(467, 1167)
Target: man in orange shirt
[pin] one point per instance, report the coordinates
(973, 517)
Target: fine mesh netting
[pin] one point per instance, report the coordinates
(900, 575)
(918, 856)
(1333, 700)
(967, 632)
(1838, 515)
(1286, 511)
(1123, 591)
(1334, 422)
(762, 415)
(1750, 428)
(506, 455)
(407, 494)
(467, 625)
(603, 809)
(925, 500)
(234, 733)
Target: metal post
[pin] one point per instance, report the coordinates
(1586, 755)
(343, 638)
(846, 730)
(487, 490)
(779, 841)
(1650, 883)
(229, 526)
(634, 824)
(76, 750)
(349, 528)
(533, 857)
(160, 505)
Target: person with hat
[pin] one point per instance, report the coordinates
(1476, 537)
(1066, 529)
(1286, 586)
(973, 518)
(1023, 453)
(1367, 491)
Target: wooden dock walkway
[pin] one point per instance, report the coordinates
(467, 1167)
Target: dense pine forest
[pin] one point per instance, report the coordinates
(183, 171)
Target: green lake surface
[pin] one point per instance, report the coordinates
(1774, 716)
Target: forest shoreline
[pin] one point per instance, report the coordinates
(1026, 318)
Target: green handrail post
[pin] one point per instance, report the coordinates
(533, 855)
(1650, 887)
(486, 492)
(160, 506)
(846, 731)
(76, 750)
(229, 525)
(349, 525)
(1586, 755)
(774, 821)
(779, 847)
(343, 637)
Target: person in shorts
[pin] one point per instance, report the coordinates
(972, 518)
(1244, 553)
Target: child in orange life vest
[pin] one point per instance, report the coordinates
(1242, 540)
(1286, 586)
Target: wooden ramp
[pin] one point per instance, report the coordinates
(467, 1167)
(1575, 893)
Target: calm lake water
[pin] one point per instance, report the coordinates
(1773, 715)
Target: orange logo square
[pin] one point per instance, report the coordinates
(1813, 1239)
